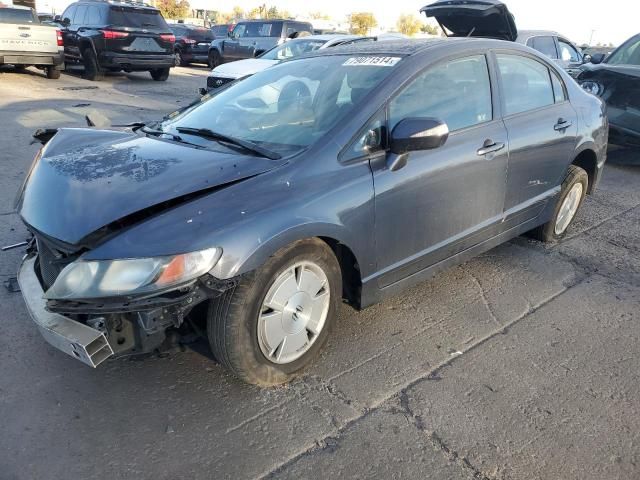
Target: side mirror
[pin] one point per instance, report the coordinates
(597, 58)
(66, 21)
(587, 58)
(414, 134)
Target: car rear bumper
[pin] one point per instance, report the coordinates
(80, 341)
(31, 58)
(138, 62)
(196, 56)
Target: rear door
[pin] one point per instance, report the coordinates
(542, 128)
(141, 31)
(20, 31)
(448, 199)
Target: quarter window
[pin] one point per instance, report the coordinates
(526, 84)
(558, 88)
(545, 45)
(457, 92)
(568, 53)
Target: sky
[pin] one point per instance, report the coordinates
(576, 19)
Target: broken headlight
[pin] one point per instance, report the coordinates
(594, 88)
(111, 278)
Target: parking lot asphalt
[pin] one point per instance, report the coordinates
(523, 363)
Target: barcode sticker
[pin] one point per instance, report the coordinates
(372, 61)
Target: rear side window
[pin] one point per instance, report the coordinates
(545, 45)
(220, 30)
(137, 18)
(526, 84)
(259, 29)
(17, 15)
(457, 92)
(69, 13)
(559, 91)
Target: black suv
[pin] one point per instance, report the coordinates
(192, 44)
(109, 36)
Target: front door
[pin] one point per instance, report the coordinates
(451, 198)
(542, 127)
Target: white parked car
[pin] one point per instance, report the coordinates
(227, 72)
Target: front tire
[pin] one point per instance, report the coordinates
(574, 189)
(269, 327)
(160, 74)
(214, 59)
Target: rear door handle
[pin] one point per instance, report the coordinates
(490, 147)
(562, 125)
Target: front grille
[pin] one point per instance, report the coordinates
(50, 261)
(217, 82)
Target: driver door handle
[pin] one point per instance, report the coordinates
(490, 147)
(562, 125)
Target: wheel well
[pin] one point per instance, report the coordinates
(588, 161)
(351, 279)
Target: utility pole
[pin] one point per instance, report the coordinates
(591, 37)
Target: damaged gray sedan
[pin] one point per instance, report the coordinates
(345, 176)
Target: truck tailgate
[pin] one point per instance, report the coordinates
(28, 38)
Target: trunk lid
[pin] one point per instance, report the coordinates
(87, 179)
(474, 18)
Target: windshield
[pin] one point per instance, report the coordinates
(293, 48)
(290, 106)
(17, 15)
(627, 54)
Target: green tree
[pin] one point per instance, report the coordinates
(174, 9)
(408, 24)
(362, 23)
(430, 29)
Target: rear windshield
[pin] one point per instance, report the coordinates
(17, 15)
(137, 18)
(201, 34)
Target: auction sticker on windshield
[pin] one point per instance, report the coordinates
(372, 61)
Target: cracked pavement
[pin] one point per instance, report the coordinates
(520, 364)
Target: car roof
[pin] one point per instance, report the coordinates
(539, 33)
(327, 37)
(117, 3)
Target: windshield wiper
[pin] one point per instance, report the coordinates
(247, 145)
(159, 133)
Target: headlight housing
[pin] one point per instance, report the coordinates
(592, 87)
(111, 278)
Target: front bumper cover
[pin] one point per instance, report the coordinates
(80, 341)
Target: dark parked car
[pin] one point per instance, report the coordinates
(492, 19)
(616, 79)
(222, 30)
(192, 44)
(251, 38)
(111, 36)
(348, 174)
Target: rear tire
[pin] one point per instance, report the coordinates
(160, 74)
(574, 189)
(92, 69)
(214, 59)
(239, 334)
(53, 72)
(179, 61)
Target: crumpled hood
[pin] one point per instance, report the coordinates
(242, 68)
(86, 179)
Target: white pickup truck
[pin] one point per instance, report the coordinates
(25, 41)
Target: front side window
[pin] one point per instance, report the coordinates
(457, 92)
(545, 45)
(568, 52)
(526, 84)
(627, 54)
(289, 106)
